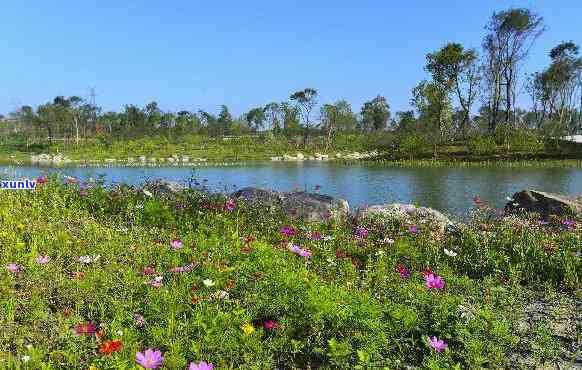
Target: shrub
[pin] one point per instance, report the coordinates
(482, 145)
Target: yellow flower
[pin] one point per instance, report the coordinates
(20, 226)
(248, 328)
(93, 367)
(20, 244)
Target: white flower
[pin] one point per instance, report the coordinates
(85, 259)
(139, 206)
(159, 278)
(450, 253)
(25, 358)
(509, 199)
(120, 333)
(327, 237)
(96, 258)
(388, 241)
(380, 252)
(149, 194)
(28, 346)
(221, 294)
(208, 282)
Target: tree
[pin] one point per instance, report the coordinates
(224, 120)
(511, 35)
(306, 99)
(290, 118)
(272, 112)
(455, 69)
(375, 114)
(337, 117)
(255, 118)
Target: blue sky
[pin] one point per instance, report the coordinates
(198, 55)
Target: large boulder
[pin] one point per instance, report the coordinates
(545, 204)
(403, 213)
(308, 206)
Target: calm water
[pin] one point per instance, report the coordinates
(447, 189)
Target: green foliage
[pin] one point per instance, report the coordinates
(482, 145)
(412, 145)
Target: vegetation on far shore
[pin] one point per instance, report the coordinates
(445, 119)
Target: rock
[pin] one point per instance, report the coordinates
(130, 160)
(110, 160)
(300, 156)
(142, 158)
(165, 187)
(153, 160)
(276, 159)
(545, 204)
(403, 212)
(185, 159)
(309, 206)
(171, 160)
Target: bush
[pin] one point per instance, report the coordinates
(412, 145)
(482, 145)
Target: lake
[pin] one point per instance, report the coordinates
(447, 189)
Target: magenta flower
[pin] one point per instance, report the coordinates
(156, 283)
(13, 267)
(404, 273)
(150, 359)
(270, 325)
(315, 236)
(434, 282)
(413, 229)
(186, 268)
(362, 232)
(41, 260)
(230, 205)
(41, 180)
(87, 329)
(437, 344)
(176, 244)
(202, 365)
(287, 231)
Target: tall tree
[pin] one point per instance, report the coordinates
(307, 100)
(375, 114)
(455, 69)
(511, 35)
(255, 119)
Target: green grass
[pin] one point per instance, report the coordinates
(345, 307)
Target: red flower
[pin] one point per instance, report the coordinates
(195, 300)
(246, 250)
(67, 311)
(340, 254)
(110, 346)
(149, 271)
(270, 325)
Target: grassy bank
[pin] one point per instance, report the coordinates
(92, 276)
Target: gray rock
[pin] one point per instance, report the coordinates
(545, 204)
(165, 187)
(403, 212)
(308, 206)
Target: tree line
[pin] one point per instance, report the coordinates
(467, 93)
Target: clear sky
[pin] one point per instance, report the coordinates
(200, 54)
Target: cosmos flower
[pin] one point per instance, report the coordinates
(287, 231)
(138, 320)
(149, 194)
(413, 229)
(13, 267)
(270, 325)
(87, 329)
(149, 359)
(208, 282)
(434, 282)
(437, 344)
(109, 346)
(450, 253)
(404, 273)
(41, 260)
(202, 365)
(230, 205)
(362, 232)
(176, 244)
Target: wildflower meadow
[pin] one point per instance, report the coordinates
(97, 277)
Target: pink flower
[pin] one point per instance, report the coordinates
(230, 205)
(270, 325)
(362, 232)
(287, 231)
(186, 268)
(148, 271)
(41, 180)
(315, 236)
(156, 283)
(202, 365)
(404, 273)
(176, 244)
(434, 282)
(298, 250)
(150, 359)
(13, 267)
(413, 230)
(87, 329)
(43, 259)
(438, 344)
